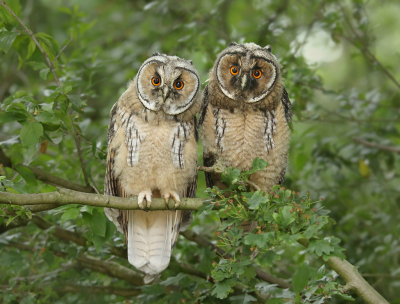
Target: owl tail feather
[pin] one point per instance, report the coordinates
(151, 239)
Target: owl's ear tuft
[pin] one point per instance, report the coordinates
(268, 48)
(190, 61)
(156, 54)
(233, 43)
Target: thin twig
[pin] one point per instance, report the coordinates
(51, 66)
(365, 48)
(64, 47)
(252, 185)
(377, 146)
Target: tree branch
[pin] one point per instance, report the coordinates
(63, 197)
(354, 281)
(46, 177)
(377, 146)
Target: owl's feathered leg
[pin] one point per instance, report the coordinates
(144, 195)
(167, 194)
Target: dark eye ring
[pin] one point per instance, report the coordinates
(178, 84)
(155, 81)
(234, 70)
(257, 74)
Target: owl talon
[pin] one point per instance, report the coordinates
(144, 195)
(177, 204)
(171, 194)
(166, 199)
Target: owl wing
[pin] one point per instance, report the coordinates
(287, 106)
(208, 157)
(111, 184)
(187, 216)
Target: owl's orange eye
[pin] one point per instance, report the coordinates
(155, 81)
(234, 70)
(257, 74)
(178, 85)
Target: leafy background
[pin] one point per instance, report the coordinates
(340, 63)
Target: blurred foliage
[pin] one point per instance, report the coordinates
(339, 60)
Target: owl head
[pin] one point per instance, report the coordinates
(168, 84)
(246, 73)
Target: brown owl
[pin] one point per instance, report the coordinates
(152, 153)
(246, 114)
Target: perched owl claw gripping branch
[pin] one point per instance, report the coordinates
(171, 194)
(152, 153)
(144, 195)
(246, 113)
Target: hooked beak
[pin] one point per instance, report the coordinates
(244, 80)
(165, 91)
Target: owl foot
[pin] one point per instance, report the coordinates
(171, 194)
(144, 195)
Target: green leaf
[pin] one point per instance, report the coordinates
(88, 209)
(6, 16)
(98, 223)
(174, 280)
(260, 240)
(31, 48)
(223, 288)
(70, 214)
(37, 65)
(259, 164)
(321, 272)
(230, 176)
(27, 175)
(75, 100)
(300, 278)
(7, 39)
(67, 89)
(30, 133)
(276, 187)
(8, 117)
(284, 217)
(98, 241)
(46, 117)
(249, 273)
(268, 258)
(43, 73)
(320, 247)
(238, 267)
(257, 199)
(310, 231)
(49, 44)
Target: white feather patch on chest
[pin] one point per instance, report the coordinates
(133, 137)
(270, 121)
(219, 127)
(179, 138)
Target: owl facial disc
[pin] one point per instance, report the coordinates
(167, 83)
(246, 72)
